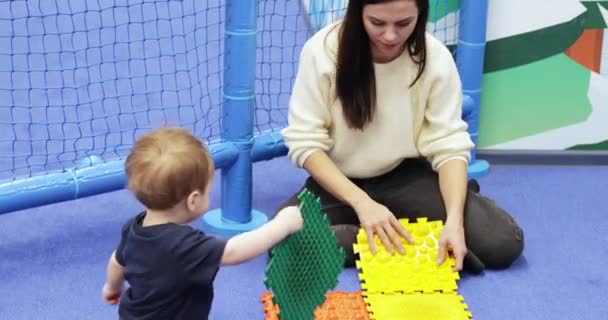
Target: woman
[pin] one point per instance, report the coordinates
(375, 119)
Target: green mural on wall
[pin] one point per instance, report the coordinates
(525, 100)
(595, 147)
(440, 8)
(521, 49)
(542, 86)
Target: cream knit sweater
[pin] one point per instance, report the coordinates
(424, 120)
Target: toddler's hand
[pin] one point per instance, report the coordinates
(110, 295)
(291, 218)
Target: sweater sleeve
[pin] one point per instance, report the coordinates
(443, 134)
(309, 117)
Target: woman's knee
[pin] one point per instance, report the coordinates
(496, 237)
(501, 252)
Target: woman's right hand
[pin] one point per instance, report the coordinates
(376, 219)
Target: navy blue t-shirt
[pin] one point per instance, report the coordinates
(170, 269)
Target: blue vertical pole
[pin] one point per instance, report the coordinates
(236, 214)
(470, 53)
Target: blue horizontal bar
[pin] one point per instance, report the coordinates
(28, 192)
(268, 146)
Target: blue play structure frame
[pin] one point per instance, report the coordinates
(470, 54)
(239, 148)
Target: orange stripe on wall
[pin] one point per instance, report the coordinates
(587, 50)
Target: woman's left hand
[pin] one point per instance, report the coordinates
(452, 238)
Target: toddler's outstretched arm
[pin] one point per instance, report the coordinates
(249, 245)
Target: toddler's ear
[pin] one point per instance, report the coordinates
(192, 199)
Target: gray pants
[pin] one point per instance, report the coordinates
(412, 190)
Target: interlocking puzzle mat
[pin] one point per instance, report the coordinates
(410, 286)
(415, 271)
(338, 305)
(417, 306)
(305, 265)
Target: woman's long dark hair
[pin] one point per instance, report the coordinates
(355, 78)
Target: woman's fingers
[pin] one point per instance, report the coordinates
(401, 230)
(370, 238)
(385, 239)
(394, 237)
